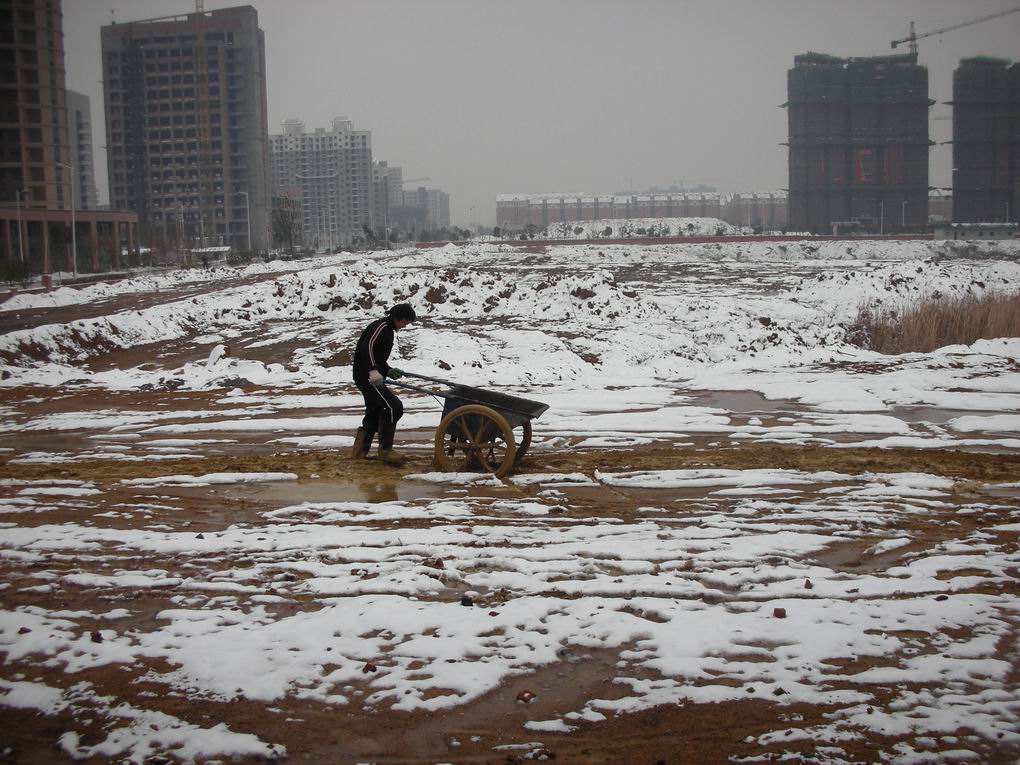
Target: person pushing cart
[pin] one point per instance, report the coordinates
(383, 408)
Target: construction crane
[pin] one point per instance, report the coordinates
(413, 180)
(674, 184)
(913, 37)
(630, 181)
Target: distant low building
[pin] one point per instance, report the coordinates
(207, 256)
(766, 210)
(980, 231)
(940, 206)
(515, 212)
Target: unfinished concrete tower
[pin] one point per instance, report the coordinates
(986, 140)
(186, 126)
(858, 140)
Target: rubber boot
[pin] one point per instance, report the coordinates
(362, 444)
(386, 453)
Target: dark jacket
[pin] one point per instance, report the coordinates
(373, 349)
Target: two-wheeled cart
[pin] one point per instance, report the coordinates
(476, 433)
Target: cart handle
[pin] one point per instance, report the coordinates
(416, 387)
(426, 377)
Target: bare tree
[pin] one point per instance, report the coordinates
(286, 223)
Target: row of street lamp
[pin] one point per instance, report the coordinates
(881, 209)
(74, 233)
(21, 193)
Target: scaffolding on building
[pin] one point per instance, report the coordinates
(858, 142)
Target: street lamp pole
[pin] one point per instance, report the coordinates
(74, 233)
(247, 215)
(21, 228)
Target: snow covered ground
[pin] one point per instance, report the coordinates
(597, 330)
(614, 228)
(132, 538)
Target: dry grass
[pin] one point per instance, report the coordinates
(936, 322)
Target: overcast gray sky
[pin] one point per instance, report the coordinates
(520, 96)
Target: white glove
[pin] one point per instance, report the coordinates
(375, 377)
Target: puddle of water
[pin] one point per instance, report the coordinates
(296, 492)
(553, 690)
(743, 402)
(853, 557)
(1003, 492)
(933, 415)
(281, 493)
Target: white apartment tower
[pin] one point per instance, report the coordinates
(329, 172)
(382, 176)
(79, 143)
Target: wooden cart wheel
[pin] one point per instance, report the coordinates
(475, 438)
(525, 442)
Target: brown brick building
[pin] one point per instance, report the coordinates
(36, 165)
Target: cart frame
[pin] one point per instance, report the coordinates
(476, 432)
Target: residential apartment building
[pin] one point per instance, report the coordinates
(186, 127)
(383, 179)
(395, 185)
(986, 141)
(330, 173)
(41, 223)
(422, 210)
(858, 143)
(79, 142)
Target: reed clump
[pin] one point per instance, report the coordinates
(936, 322)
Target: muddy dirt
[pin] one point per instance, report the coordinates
(488, 730)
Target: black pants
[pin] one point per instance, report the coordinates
(381, 405)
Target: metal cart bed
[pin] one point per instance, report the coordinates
(476, 433)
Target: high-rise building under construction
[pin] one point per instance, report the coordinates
(858, 142)
(986, 141)
(186, 126)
